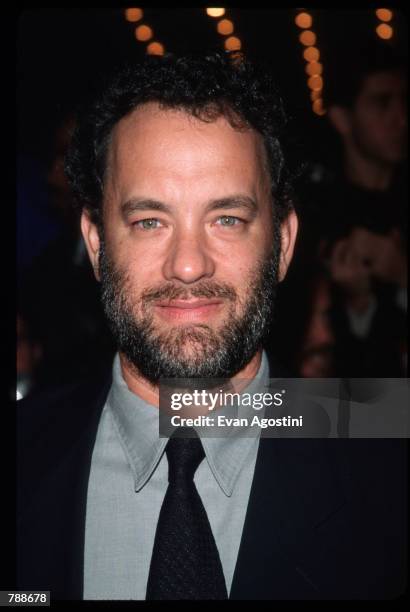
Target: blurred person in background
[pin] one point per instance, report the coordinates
(59, 287)
(316, 356)
(368, 258)
(356, 214)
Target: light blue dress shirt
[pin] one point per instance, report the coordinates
(127, 485)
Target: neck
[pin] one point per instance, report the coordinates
(149, 392)
(367, 173)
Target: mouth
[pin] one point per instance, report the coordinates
(188, 310)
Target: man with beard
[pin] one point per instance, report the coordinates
(188, 220)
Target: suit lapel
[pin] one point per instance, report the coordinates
(294, 490)
(55, 503)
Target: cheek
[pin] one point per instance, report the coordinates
(139, 279)
(239, 273)
(372, 129)
(137, 261)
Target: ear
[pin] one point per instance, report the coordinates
(340, 119)
(92, 240)
(289, 230)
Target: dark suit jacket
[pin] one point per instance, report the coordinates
(326, 517)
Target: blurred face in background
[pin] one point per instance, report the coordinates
(61, 200)
(28, 351)
(316, 358)
(378, 120)
(188, 259)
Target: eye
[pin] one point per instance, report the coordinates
(147, 224)
(228, 221)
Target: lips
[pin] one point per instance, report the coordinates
(188, 311)
(187, 304)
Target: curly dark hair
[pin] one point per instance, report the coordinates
(207, 86)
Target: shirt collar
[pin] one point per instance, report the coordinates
(136, 423)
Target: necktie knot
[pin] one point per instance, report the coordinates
(184, 455)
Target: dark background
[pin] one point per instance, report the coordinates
(60, 51)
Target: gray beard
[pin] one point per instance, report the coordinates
(218, 353)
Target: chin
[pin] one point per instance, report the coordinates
(189, 338)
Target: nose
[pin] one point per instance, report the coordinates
(188, 259)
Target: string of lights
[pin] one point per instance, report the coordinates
(225, 28)
(383, 29)
(311, 55)
(143, 32)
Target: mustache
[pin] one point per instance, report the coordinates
(205, 289)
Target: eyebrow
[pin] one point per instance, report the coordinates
(133, 205)
(237, 201)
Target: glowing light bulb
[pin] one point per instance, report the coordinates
(233, 43)
(155, 48)
(384, 14)
(303, 20)
(133, 14)
(215, 12)
(315, 82)
(313, 68)
(311, 54)
(143, 32)
(225, 27)
(384, 31)
(307, 38)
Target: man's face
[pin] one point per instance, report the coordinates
(188, 260)
(379, 118)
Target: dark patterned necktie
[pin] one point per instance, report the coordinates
(185, 561)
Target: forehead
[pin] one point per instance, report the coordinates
(156, 142)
